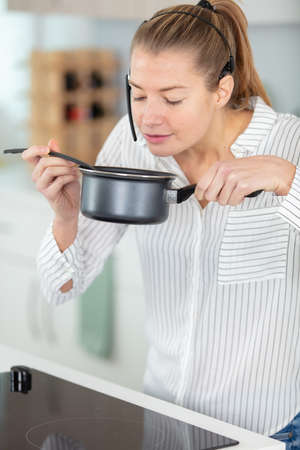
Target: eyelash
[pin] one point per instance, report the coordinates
(177, 102)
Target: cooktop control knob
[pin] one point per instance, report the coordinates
(20, 379)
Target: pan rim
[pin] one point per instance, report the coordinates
(127, 172)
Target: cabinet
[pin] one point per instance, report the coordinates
(66, 333)
(257, 11)
(27, 321)
(24, 313)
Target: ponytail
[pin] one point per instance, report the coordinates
(246, 78)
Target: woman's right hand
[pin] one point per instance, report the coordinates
(57, 179)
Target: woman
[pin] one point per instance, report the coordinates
(222, 273)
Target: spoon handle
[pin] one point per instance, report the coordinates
(14, 150)
(70, 158)
(53, 153)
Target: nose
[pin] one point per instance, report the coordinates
(152, 114)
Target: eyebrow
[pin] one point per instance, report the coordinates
(168, 88)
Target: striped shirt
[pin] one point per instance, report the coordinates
(221, 284)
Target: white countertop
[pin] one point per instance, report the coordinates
(248, 440)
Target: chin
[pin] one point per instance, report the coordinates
(163, 149)
(156, 151)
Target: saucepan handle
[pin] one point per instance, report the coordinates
(182, 194)
(255, 193)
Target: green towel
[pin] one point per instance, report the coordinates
(96, 314)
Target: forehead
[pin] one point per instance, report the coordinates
(172, 65)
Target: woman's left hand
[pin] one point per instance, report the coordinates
(228, 182)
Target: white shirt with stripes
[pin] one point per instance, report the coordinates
(221, 284)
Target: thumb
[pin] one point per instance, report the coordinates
(53, 145)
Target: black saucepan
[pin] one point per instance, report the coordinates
(125, 195)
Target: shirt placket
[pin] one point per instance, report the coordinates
(195, 282)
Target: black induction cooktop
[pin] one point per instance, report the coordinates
(39, 411)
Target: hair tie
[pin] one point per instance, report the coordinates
(206, 4)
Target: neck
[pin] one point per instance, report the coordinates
(225, 128)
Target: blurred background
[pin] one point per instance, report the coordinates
(62, 74)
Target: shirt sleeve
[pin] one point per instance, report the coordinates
(289, 209)
(95, 240)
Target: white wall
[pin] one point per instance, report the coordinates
(277, 58)
(16, 40)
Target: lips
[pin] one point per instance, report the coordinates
(156, 138)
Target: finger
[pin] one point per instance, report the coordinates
(34, 153)
(53, 144)
(215, 187)
(46, 162)
(227, 190)
(206, 180)
(52, 173)
(58, 184)
(242, 188)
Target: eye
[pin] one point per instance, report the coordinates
(138, 99)
(173, 102)
(170, 102)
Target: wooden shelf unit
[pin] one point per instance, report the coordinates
(74, 99)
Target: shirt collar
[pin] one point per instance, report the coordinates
(259, 128)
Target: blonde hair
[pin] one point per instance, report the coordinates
(182, 31)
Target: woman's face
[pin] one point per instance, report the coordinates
(170, 104)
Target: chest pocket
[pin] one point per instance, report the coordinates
(254, 246)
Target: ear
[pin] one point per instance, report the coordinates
(224, 91)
